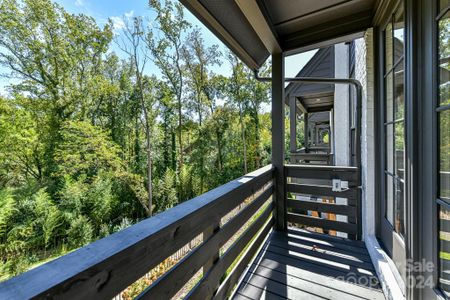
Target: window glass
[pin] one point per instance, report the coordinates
(399, 207)
(444, 153)
(443, 111)
(444, 59)
(444, 249)
(390, 148)
(443, 4)
(394, 110)
(389, 102)
(399, 96)
(388, 47)
(389, 196)
(399, 143)
(399, 39)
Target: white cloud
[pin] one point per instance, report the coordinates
(129, 14)
(118, 23)
(79, 2)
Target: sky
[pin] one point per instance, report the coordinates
(117, 10)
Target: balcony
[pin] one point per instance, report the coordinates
(239, 246)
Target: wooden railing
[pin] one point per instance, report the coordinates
(317, 158)
(106, 267)
(312, 203)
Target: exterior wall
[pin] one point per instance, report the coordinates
(341, 117)
(364, 73)
(341, 107)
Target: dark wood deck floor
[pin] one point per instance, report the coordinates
(303, 265)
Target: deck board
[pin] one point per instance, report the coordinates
(304, 265)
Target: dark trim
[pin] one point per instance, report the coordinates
(413, 89)
(378, 97)
(322, 223)
(303, 205)
(327, 30)
(427, 103)
(443, 108)
(313, 12)
(310, 67)
(442, 13)
(278, 137)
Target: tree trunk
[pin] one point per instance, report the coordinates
(241, 120)
(258, 138)
(148, 142)
(180, 139)
(202, 160)
(149, 170)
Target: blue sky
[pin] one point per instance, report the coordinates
(116, 10)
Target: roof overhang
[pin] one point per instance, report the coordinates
(255, 29)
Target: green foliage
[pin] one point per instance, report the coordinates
(80, 231)
(7, 211)
(90, 145)
(86, 150)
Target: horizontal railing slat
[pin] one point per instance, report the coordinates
(323, 172)
(106, 267)
(333, 208)
(322, 223)
(322, 190)
(227, 286)
(172, 281)
(207, 286)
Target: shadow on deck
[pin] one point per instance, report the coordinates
(303, 265)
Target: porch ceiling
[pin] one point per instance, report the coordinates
(254, 29)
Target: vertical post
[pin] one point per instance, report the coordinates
(278, 139)
(306, 130)
(293, 127)
(331, 139)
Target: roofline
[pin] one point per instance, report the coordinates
(254, 16)
(197, 9)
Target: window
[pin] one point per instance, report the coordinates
(443, 119)
(394, 121)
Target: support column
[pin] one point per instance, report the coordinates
(306, 131)
(278, 139)
(292, 127)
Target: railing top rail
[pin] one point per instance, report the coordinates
(107, 266)
(322, 167)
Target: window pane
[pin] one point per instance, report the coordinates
(389, 198)
(444, 253)
(399, 143)
(443, 4)
(389, 101)
(444, 149)
(399, 95)
(444, 59)
(390, 148)
(388, 47)
(399, 207)
(399, 34)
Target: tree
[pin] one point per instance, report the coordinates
(198, 59)
(56, 55)
(238, 94)
(22, 151)
(134, 47)
(166, 52)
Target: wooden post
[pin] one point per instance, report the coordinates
(278, 139)
(293, 127)
(306, 130)
(331, 136)
(208, 233)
